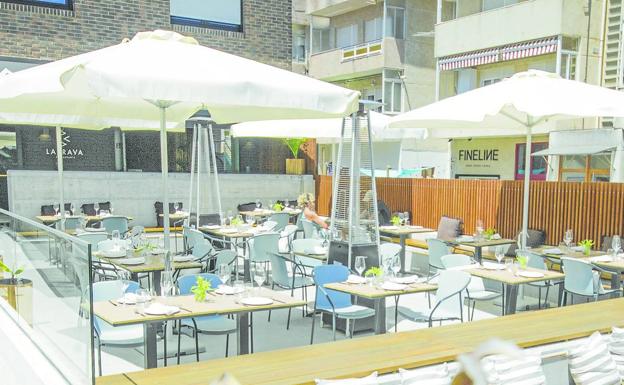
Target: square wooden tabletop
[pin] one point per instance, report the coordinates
(152, 263)
(484, 242)
(369, 291)
(506, 277)
(404, 230)
(227, 234)
(320, 257)
(565, 252)
(118, 314)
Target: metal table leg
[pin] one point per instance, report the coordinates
(242, 336)
(615, 283)
(380, 315)
(150, 350)
(156, 281)
(511, 299)
(478, 254)
(402, 238)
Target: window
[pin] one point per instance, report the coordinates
(321, 40)
(373, 29)
(64, 4)
(224, 14)
(346, 36)
(487, 82)
(395, 22)
(493, 4)
(299, 45)
(585, 168)
(568, 65)
(393, 91)
(538, 163)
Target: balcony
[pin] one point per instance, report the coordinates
(331, 8)
(359, 60)
(527, 20)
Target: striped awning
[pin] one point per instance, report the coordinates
(528, 49)
(469, 60)
(505, 53)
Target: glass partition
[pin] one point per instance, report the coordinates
(45, 281)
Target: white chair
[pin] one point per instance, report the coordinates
(476, 290)
(93, 238)
(106, 334)
(286, 237)
(109, 244)
(269, 225)
(388, 250)
(310, 229)
(582, 279)
(448, 303)
(303, 246)
(437, 249)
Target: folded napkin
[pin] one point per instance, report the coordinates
(229, 290)
(602, 258)
(577, 248)
(465, 238)
(258, 210)
(465, 267)
(554, 251)
(183, 258)
(316, 250)
(157, 251)
(496, 236)
(389, 227)
(355, 279)
(160, 309)
(132, 261)
(406, 280)
(493, 266)
(393, 286)
(114, 253)
(211, 227)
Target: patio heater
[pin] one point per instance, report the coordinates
(354, 229)
(204, 171)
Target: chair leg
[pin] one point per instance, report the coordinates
(251, 331)
(179, 339)
(227, 345)
(539, 298)
(474, 304)
(312, 332)
(546, 297)
(334, 325)
(352, 328)
(100, 356)
(196, 344)
(288, 322)
(272, 288)
(165, 343)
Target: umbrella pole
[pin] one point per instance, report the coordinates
(164, 165)
(194, 143)
(59, 166)
(200, 149)
(527, 179)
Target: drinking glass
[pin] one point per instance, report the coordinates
(124, 277)
(271, 204)
(223, 270)
(258, 204)
(72, 208)
(176, 206)
(400, 215)
(499, 253)
(396, 265)
(360, 264)
(259, 274)
(96, 207)
(56, 208)
(229, 216)
(568, 238)
(616, 244)
(285, 203)
(406, 218)
(249, 219)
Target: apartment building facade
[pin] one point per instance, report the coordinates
(481, 42)
(38, 31)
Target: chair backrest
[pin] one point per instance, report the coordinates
(209, 219)
(310, 229)
(269, 225)
(93, 238)
(225, 257)
(186, 282)
(535, 261)
(48, 210)
(71, 223)
(325, 274)
(158, 206)
(451, 284)
(279, 271)
(302, 245)
(194, 237)
(281, 219)
(291, 202)
(287, 236)
(579, 276)
(389, 250)
(450, 228)
(455, 260)
(437, 249)
(262, 246)
(535, 238)
(107, 290)
(115, 222)
(383, 213)
(202, 249)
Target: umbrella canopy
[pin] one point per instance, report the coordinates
(526, 103)
(158, 80)
(324, 130)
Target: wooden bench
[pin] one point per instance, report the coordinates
(388, 352)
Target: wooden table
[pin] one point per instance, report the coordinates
(378, 296)
(119, 315)
(512, 282)
(403, 232)
(267, 213)
(479, 245)
(154, 265)
(116, 379)
(50, 219)
(319, 257)
(389, 352)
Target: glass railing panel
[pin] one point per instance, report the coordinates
(46, 283)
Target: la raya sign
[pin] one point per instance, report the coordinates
(68, 153)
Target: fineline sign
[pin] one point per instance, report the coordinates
(479, 155)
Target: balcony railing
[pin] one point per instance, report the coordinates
(362, 50)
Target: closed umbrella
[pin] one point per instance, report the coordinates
(527, 103)
(156, 81)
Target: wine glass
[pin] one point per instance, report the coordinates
(406, 218)
(166, 284)
(223, 270)
(56, 208)
(259, 274)
(616, 244)
(286, 203)
(176, 206)
(271, 204)
(360, 264)
(96, 207)
(568, 238)
(229, 216)
(249, 219)
(258, 204)
(115, 237)
(72, 208)
(396, 265)
(499, 254)
(479, 227)
(124, 277)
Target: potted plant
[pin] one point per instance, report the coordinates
(586, 244)
(489, 233)
(295, 166)
(200, 289)
(13, 284)
(395, 220)
(277, 207)
(375, 275)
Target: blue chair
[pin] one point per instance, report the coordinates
(106, 334)
(211, 325)
(115, 222)
(337, 304)
(290, 281)
(583, 279)
(281, 219)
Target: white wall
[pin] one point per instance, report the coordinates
(133, 194)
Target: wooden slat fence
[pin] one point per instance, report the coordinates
(591, 210)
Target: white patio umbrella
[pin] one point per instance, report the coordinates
(526, 103)
(156, 81)
(324, 130)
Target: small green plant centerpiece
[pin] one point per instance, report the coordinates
(586, 244)
(139, 250)
(522, 259)
(13, 272)
(13, 284)
(278, 207)
(395, 220)
(489, 233)
(200, 289)
(236, 221)
(295, 165)
(374, 275)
